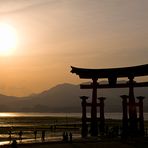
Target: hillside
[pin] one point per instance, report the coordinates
(65, 98)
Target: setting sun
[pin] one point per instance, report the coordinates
(8, 39)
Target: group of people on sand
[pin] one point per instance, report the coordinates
(66, 135)
(20, 134)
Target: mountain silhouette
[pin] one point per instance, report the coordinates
(66, 98)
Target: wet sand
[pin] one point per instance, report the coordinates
(82, 144)
(76, 145)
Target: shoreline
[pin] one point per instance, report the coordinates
(86, 143)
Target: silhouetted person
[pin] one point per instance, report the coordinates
(146, 132)
(14, 144)
(20, 135)
(35, 134)
(43, 135)
(107, 130)
(66, 136)
(9, 132)
(63, 136)
(70, 137)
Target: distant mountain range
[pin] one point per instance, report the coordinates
(66, 98)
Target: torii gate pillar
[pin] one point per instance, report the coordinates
(125, 116)
(132, 108)
(84, 131)
(102, 118)
(94, 125)
(141, 117)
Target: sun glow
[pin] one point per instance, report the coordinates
(8, 39)
(8, 114)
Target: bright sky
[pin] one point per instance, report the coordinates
(54, 34)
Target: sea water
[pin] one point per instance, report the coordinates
(28, 119)
(23, 121)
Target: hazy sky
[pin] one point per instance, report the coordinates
(54, 34)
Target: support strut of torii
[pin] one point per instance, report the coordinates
(112, 74)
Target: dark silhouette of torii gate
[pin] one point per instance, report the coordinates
(130, 123)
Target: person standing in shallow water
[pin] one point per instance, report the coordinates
(63, 136)
(14, 144)
(66, 136)
(70, 137)
(9, 132)
(20, 135)
(43, 135)
(35, 134)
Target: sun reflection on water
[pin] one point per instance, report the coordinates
(8, 114)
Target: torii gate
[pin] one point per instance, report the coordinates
(112, 74)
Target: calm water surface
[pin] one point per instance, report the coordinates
(29, 121)
(116, 115)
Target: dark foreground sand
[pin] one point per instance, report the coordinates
(83, 144)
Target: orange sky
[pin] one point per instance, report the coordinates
(54, 34)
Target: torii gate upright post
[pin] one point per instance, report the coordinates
(141, 116)
(84, 131)
(94, 124)
(125, 116)
(102, 118)
(133, 127)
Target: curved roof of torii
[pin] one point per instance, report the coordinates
(135, 71)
